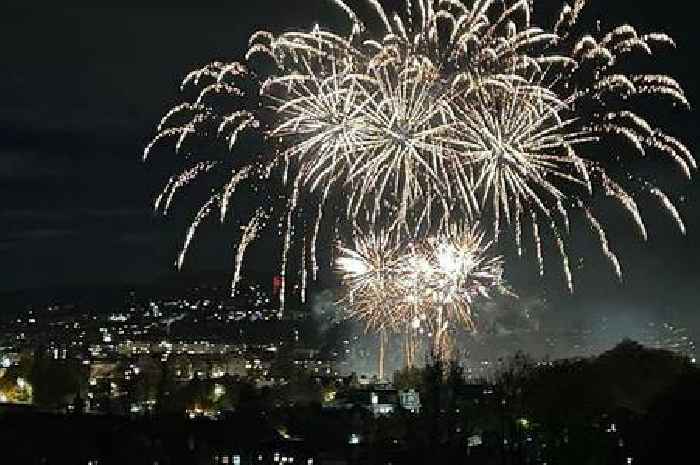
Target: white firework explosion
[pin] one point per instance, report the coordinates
(454, 112)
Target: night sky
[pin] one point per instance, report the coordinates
(83, 88)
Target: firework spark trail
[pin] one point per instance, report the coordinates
(250, 232)
(598, 228)
(175, 183)
(304, 278)
(456, 112)
(203, 213)
(670, 208)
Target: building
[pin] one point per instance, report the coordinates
(380, 399)
(410, 400)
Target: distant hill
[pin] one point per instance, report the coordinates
(170, 285)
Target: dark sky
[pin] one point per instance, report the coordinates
(82, 89)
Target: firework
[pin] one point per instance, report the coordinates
(372, 281)
(446, 274)
(250, 232)
(455, 112)
(431, 283)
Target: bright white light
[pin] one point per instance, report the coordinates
(416, 323)
(447, 259)
(353, 265)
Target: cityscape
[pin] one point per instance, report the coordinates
(195, 355)
(349, 232)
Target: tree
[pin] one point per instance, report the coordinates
(409, 378)
(55, 383)
(146, 381)
(668, 432)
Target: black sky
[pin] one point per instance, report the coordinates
(82, 89)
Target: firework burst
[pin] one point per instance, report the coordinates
(428, 285)
(372, 280)
(454, 112)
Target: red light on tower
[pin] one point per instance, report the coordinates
(277, 282)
